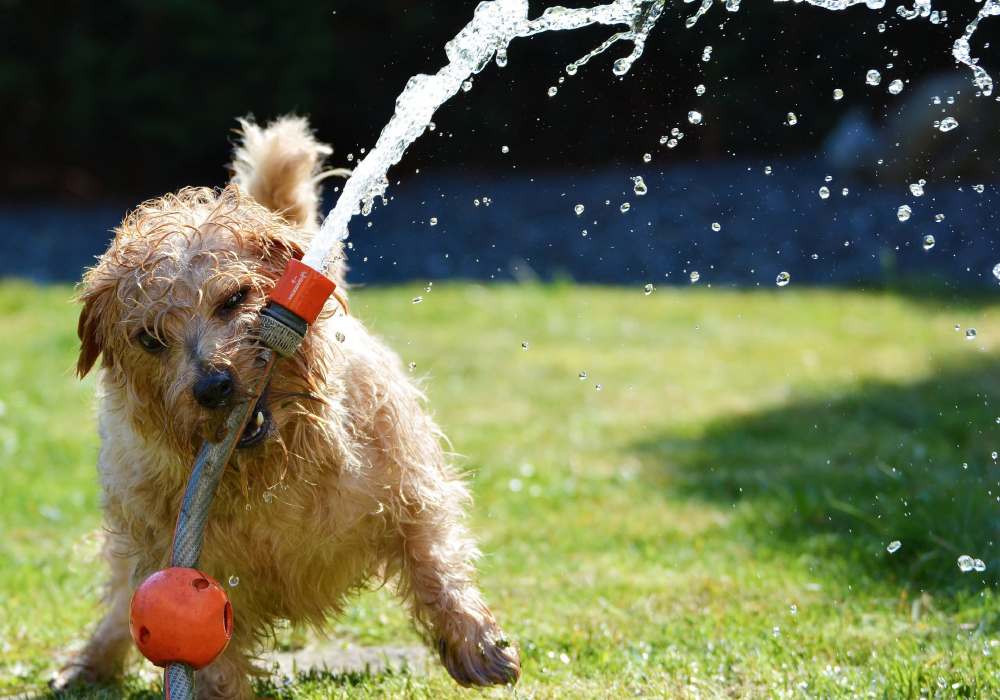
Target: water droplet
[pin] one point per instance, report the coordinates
(965, 563)
(904, 212)
(838, 94)
(929, 241)
(582, 375)
(939, 218)
(268, 496)
(917, 188)
(524, 344)
(466, 86)
(501, 57)
(896, 86)
(578, 209)
(625, 207)
(881, 27)
(793, 609)
(647, 157)
(340, 337)
(873, 77)
(844, 192)
(505, 149)
(791, 119)
(234, 581)
(417, 300)
(970, 334)
(411, 366)
(434, 221)
(996, 271)
(571, 69)
(716, 226)
(699, 90)
(695, 276)
(706, 54)
(893, 546)
(824, 192)
(783, 279)
(639, 186)
(947, 124)
(598, 387)
(694, 117)
(979, 189)
(768, 170)
(648, 289)
(553, 90)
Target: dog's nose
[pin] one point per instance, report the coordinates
(214, 389)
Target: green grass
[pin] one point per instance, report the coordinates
(748, 452)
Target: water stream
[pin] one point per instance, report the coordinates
(495, 24)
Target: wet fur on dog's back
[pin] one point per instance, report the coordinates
(350, 486)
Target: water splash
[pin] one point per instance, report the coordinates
(495, 24)
(962, 50)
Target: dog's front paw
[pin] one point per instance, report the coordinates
(486, 658)
(79, 673)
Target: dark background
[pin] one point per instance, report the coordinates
(107, 103)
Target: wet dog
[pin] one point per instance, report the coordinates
(338, 481)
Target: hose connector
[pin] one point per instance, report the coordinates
(293, 305)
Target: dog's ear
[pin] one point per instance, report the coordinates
(95, 297)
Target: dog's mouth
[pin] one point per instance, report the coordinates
(260, 425)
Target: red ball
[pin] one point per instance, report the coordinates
(181, 615)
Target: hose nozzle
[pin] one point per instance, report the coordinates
(293, 305)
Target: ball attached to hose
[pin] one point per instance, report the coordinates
(181, 615)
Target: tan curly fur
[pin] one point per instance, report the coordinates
(351, 486)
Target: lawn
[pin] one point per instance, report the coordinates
(705, 513)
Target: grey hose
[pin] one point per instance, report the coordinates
(178, 679)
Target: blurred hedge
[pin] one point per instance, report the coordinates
(136, 96)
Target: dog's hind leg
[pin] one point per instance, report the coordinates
(103, 657)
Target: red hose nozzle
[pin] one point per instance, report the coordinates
(302, 290)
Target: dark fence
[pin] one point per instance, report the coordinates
(525, 226)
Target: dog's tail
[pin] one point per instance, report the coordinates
(281, 166)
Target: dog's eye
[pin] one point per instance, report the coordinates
(149, 342)
(233, 301)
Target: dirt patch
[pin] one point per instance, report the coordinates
(349, 658)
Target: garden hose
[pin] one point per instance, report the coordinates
(293, 305)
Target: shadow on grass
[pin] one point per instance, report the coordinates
(937, 293)
(841, 477)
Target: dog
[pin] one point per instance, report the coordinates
(340, 479)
